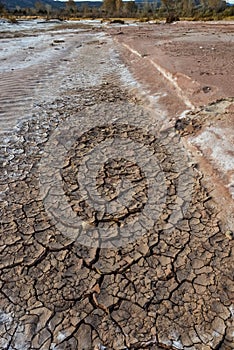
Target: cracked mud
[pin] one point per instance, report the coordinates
(167, 284)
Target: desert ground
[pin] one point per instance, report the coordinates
(116, 185)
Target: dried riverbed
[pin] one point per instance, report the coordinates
(109, 239)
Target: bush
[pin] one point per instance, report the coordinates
(172, 18)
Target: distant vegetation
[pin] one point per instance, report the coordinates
(141, 9)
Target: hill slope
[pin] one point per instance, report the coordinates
(11, 4)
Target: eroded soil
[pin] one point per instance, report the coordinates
(168, 288)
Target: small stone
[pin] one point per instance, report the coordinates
(229, 234)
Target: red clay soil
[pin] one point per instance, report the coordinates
(192, 65)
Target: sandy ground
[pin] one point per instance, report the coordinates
(116, 186)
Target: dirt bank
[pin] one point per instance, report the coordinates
(188, 66)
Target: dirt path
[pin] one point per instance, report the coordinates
(109, 239)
